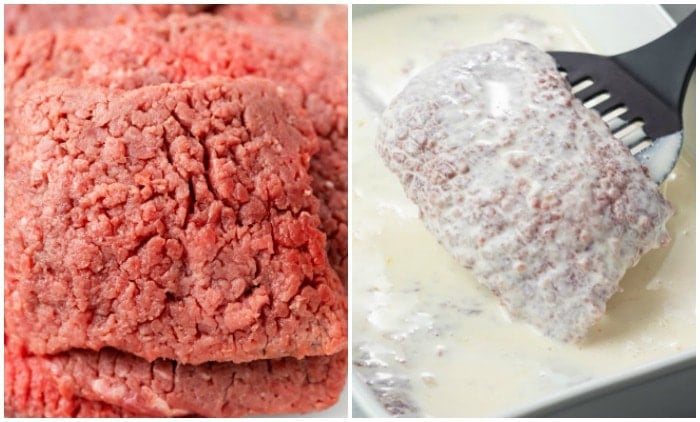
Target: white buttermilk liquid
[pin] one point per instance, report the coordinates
(429, 339)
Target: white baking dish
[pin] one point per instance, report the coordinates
(664, 386)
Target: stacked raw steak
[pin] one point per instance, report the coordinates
(175, 220)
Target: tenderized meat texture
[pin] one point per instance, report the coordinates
(25, 18)
(32, 391)
(111, 383)
(171, 221)
(312, 70)
(522, 183)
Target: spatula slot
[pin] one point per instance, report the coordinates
(641, 146)
(610, 115)
(582, 85)
(632, 133)
(596, 99)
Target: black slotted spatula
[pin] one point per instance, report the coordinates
(639, 93)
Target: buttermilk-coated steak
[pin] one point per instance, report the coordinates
(522, 183)
(112, 383)
(312, 70)
(171, 221)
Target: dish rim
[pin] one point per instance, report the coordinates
(366, 401)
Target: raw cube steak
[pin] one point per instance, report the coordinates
(312, 70)
(171, 221)
(110, 383)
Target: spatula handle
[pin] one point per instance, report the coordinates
(666, 63)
